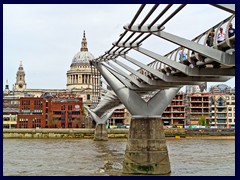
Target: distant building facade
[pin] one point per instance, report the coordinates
(60, 112)
(80, 84)
(79, 79)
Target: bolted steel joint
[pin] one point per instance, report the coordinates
(143, 29)
(126, 45)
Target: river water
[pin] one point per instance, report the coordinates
(85, 157)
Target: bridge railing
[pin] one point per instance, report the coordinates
(198, 56)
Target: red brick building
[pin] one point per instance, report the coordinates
(65, 113)
(32, 112)
(50, 113)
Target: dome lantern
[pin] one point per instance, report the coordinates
(84, 43)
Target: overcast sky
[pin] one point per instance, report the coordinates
(46, 37)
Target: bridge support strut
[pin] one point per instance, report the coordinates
(101, 133)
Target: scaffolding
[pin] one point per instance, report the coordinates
(95, 85)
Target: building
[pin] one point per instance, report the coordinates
(187, 110)
(198, 107)
(32, 113)
(65, 113)
(50, 112)
(223, 110)
(118, 118)
(10, 111)
(174, 114)
(79, 79)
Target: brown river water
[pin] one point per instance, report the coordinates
(85, 157)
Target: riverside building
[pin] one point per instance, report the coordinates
(82, 85)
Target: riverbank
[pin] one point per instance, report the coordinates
(173, 133)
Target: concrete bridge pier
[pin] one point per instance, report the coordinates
(146, 151)
(100, 133)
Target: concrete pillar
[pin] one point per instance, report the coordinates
(100, 133)
(146, 150)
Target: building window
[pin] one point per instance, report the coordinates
(230, 109)
(88, 96)
(220, 102)
(70, 107)
(229, 114)
(221, 121)
(233, 98)
(63, 107)
(221, 115)
(76, 113)
(26, 102)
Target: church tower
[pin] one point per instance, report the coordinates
(20, 84)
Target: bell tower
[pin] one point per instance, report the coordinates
(20, 84)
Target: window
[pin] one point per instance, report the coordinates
(220, 102)
(233, 98)
(221, 121)
(229, 114)
(57, 112)
(70, 107)
(230, 109)
(26, 102)
(63, 107)
(221, 115)
(88, 96)
(76, 113)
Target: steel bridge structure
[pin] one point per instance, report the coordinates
(162, 78)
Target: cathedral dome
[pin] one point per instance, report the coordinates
(83, 57)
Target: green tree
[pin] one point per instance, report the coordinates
(202, 121)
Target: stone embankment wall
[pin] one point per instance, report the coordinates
(112, 133)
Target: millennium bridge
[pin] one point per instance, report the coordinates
(146, 151)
